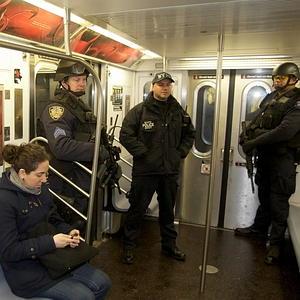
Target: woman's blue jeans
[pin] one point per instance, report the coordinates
(85, 283)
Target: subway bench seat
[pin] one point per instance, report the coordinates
(6, 293)
(294, 218)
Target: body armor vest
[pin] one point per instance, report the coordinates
(272, 114)
(86, 127)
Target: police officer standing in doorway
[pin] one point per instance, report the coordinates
(69, 125)
(158, 133)
(274, 137)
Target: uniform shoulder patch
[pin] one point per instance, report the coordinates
(297, 105)
(56, 112)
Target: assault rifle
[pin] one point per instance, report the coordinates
(112, 172)
(249, 157)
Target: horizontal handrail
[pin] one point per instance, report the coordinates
(68, 204)
(126, 177)
(126, 161)
(70, 182)
(42, 139)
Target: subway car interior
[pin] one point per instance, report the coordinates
(221, 55)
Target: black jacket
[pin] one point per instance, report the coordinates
(279, 122)
(157, 140)
(20, 212)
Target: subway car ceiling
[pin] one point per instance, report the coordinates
(179, 34)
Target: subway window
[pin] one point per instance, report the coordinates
(204, 108)
(253, 99)
(146, 89)
(208, 115)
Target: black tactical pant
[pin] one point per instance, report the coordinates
(142, 190)
(276, 180)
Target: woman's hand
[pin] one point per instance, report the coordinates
(75, 234)
(62, 240)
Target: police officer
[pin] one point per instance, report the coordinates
(274, 134)
(69, 125)
(158, 133)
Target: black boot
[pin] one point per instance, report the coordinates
(128, 256)
(273, 254)
(174, 253)
(250, 231)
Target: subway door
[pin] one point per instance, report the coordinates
(241, 203)
(144, 82)
(201, 98)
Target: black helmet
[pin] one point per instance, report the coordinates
(68, 68)
(287, 68)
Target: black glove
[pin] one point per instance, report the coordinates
(248, 146)
(242, 139)
(260, 131)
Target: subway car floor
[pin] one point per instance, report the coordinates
(242, 273)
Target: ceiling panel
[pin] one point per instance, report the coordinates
(190, 28)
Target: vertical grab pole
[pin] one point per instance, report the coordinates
(164, 63)
(98, 96)
(213, 161)
(67, 31)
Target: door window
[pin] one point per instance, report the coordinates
(253, 99)
(146, 89)
(203, 118)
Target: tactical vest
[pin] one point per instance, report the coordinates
(85, 130)
(272, 114)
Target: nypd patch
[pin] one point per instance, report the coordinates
(56, 112)
(148, 125)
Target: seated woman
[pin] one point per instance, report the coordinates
(24, 202)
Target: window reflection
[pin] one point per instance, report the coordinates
(88, 98)
(45, 87)
(204, 118)
(253, 99)
(146, 89)
(209, 98)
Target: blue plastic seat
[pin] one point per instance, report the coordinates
(6, 293)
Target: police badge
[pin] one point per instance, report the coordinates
(56, 112)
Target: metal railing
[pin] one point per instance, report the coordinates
(80, 190)
(56, 172)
